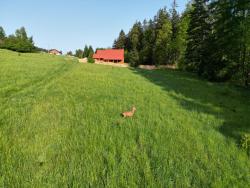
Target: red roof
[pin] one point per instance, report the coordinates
(110, 54)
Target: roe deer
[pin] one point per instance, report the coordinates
(130, 113)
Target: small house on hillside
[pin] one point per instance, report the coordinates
(55, 52)
(110, 55)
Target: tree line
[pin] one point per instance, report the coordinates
(210, 38)
(19, 41)
(87, 52)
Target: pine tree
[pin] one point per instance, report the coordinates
(198, 32)
(90, 55)
(70, 53)
(229, 41)
(162, 46)
(175, 19)
(86, 51)
(2, 37)
(90, 51)
(114, 44)
(148, 41)
(243, 7)
(133, 44)
(21, 33)
(79, 53)
(135, 37)
(182, 35)
(120, 41)
(163, 31)
(133, 58)
(2, 33)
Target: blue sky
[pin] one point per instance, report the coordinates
(70, 24)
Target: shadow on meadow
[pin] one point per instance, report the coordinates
(225, 102)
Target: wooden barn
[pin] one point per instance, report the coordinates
(110, 55)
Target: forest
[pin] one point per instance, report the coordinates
(210, 38)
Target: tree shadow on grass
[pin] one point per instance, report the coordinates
(224, 101)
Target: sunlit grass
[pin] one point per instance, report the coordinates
(60, 126)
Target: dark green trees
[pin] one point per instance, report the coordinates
(175, 45)
(231, 39)
(2, 33)
(211, 38)
(79, 53)
(148, 41)
(69, 53)
(133, 44)
(90, 52)
(135, 37)
(87, 52)
(163, 33)
(243, 8)
(2, 36)
(155, 42)
(197, 32)
(182, 35)
(90, 55)
(19, 42)
(218, 40)
(120, 42)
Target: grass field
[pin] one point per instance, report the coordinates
(60, 126)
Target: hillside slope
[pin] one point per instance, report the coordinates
(60, 126)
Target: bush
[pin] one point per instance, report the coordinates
(133, 58)
(245, 142)
(91, 60)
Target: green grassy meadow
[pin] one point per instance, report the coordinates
(60, 126)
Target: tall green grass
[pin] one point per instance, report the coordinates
(60, 126)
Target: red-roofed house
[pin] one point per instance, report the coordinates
(55, 52)
(110, 55)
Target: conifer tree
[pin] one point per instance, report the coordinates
(133, 57)
(198, 32)
(2, 33)
(148, 41)
(229, 41)
(175, 19)
(161, 49)
(181, 38)
(120, 41)
(90, 55)
(90, 51)
(135, 37)
(2, 37)
(243, 8)
(70, 53)
(86, 51)
(163, 31)
(21, 33)
(79, 53)
(133, 44)
(114, 43)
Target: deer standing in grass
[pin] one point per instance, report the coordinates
(129, 113)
